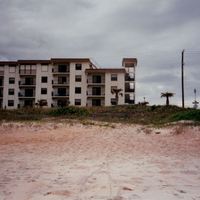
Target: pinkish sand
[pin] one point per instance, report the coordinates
(49, 161)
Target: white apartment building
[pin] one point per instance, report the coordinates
(65, 81)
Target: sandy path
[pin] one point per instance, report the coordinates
(62, 161)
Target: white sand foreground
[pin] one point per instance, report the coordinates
(59, 161)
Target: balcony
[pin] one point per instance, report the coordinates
(27, 93)
(61, 69)
(27, 72)
(26, 96)
(27, 84)
(60, 95)
(128, 101)
(95, 95)
(96, 80)
(129, 90)
(60, 84)
(129, 78)
(91, 83)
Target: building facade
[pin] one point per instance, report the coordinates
(59, 82)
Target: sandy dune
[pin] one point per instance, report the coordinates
(55, 161)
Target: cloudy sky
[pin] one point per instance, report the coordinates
(154, 31)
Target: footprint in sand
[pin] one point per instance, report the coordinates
(96, 186)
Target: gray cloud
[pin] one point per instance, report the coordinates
(153, 31)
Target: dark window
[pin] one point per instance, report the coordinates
(62, 80)
(11, 92)
(44, 79)
(77, 102)
(10, 103)
(96, 91)
(62, 92)
(78, 90)
(113, 101)
(1, 81)
(96, 79)
(29, 93)
(11, 80)
(63, 68)
(78, 66)
(113, 77)
(78, 78)
(96, 102)
(43, 90)
(29, 81)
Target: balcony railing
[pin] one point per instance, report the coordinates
(129, 101)
(95, 94)
(129, 90)
(26, 95)
(90, 82)
(55, 71)
(27, 72)
(60, 83)
(129, 78)
(60, 94)
(28, 84)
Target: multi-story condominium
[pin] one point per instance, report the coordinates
(65, 81)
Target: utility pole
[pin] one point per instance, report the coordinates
(182, 78)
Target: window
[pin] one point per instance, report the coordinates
(78, 90)
(43, 90)
(96, 91)
(77, 102)
(11, 80)
(62, 80)
(10, 103)
(63, 68)
(44, 79)
(44, 68)
(78, 66)
(113, 101)
(96, 79)
(12, 69)
(78, 78)
(113, 88)
(11, 92)
(113, 77)
(1, 81)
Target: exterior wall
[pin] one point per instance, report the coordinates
(82, 84)
(7, 86)
(39, 85)
(119, 84)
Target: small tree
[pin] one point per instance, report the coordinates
(117, 93)
(167, 95)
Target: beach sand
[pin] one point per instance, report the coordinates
(57, 161)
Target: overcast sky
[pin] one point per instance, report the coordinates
(154, 31)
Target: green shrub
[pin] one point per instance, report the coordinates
(69, 111)
(187, 115)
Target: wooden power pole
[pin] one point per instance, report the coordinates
(182, 78)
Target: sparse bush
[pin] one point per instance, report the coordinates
(69, 111)
(187, 115)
